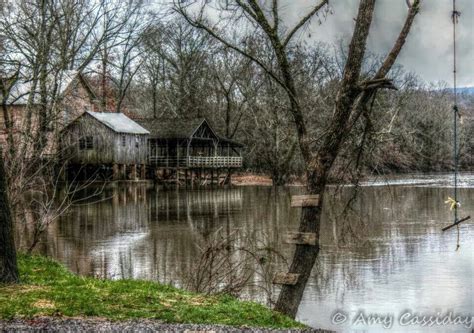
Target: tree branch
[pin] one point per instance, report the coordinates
(387, 64)
(303, 21)
(199, 25)
(397, 47)
(275, 15)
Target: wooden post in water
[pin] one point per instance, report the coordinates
(124, 171)
(177, 163)
(115, 172)
(229, 176)
(133, 173)
(143, 171)
(115, 197)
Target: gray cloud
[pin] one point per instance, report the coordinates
(428, 51)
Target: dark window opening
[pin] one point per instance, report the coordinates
(86, 143)
(137, 141)
(124, 140)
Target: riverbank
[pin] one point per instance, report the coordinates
(254, 179)
(48, 290)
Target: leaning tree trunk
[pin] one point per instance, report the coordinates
(8, 264)
(319, 163)
(305, 255)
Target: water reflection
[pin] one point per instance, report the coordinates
(394, 256)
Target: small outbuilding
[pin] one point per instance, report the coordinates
(190, 149)
(189, 143)
(111, 141)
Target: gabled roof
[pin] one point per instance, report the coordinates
(172, 129)
(20, 92)
(118, 122)
(179, 129)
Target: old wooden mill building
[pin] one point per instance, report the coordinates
(182, 151)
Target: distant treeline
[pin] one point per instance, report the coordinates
(151, 65)
(185, 73)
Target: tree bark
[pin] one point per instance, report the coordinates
(8, 263)
(319, 166)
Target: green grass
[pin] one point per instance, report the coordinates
(47, 288)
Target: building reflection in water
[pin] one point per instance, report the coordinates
(393, 256)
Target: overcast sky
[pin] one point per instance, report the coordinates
(428, 51)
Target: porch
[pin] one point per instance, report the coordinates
(196, 161)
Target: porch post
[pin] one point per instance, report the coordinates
(143, 171)
(167, 154)
(115, 171)
(124, 171)
(133, 175)
(177, 154)
(188, 143)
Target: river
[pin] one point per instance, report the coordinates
(385, 258)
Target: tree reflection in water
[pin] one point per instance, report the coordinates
(394, 258)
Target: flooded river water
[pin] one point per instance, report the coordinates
(385, 258)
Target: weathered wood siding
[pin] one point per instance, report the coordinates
(107, 147)
(134, 150)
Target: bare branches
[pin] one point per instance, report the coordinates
(386, 65)
(275, 15)
(303, 21)
(375, 84)
(51, 200)
(397, 47)
(197, 23)
(230, 262)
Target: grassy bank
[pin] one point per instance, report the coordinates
(48, 289)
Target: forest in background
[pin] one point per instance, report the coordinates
(324, 112)
(149, 62)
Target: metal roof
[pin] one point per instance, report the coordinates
(20, 92)
(171, 129)
(179, 129)
(118, 122)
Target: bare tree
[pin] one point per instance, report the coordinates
(232, 262)
(48, 200)
(352, 101)
(8, 264)
(183, 64)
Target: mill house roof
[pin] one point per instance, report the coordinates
(118, 122)
(179, 129)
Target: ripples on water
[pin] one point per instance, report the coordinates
(394, 259)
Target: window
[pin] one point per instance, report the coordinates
(86, 143)
(137, 141)
(89, 142)
(124, 140)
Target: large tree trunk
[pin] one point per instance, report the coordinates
(302, 264)
(305, 255)
(318, 167)
(8, 264)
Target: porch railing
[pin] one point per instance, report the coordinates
(197, 161)
(215, 161)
